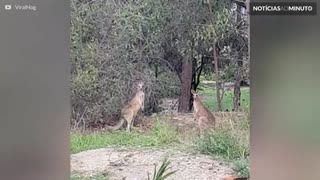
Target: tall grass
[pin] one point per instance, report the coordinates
(223, 144)
(230, 142)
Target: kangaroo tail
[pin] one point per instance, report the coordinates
(117, 126)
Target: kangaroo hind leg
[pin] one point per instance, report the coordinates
(129, 126)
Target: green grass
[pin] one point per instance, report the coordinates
(227, 102)
(223, 144)
(161, 135)
(96, 177)
(241, 167)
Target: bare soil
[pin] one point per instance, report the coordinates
(129, 164)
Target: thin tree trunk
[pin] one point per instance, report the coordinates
(194, 81)
(156, 71)
(194, 74)
(199, 74)
(237, 90)
(216, 66)
(238, 75)
(237, 85)
(218, 83)
(186, 80)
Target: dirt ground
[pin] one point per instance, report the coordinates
(120, 164)
(133, 164)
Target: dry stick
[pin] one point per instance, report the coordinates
(231, 124)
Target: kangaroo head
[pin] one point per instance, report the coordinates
(194, 94)
(140, 86)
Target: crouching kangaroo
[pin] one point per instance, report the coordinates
(131, 109)
(201, 114)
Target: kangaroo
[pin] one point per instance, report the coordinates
(131, 109)
(201, 114)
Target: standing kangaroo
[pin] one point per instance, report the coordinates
(201, 114)
(130, 111)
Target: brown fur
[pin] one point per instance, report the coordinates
(130, 111)
(201, 114)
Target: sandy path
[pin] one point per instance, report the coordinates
(128, 164)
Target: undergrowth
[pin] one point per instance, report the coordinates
(162, 134)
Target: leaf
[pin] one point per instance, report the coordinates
(169, 174)
(155, 172)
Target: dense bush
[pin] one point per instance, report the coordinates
(105, 67)
(116, 43)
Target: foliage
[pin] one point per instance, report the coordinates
(160, 174)
(116, 43)
(106, 60)
(234, 48)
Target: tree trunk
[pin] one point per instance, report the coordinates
(237, 85)
(238, 75)
(186, 80)
(193, 82)
(237, 91)
(218, 83)
(194, 75)
(199, 74)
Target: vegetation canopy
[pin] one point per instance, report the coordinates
(168, 44)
